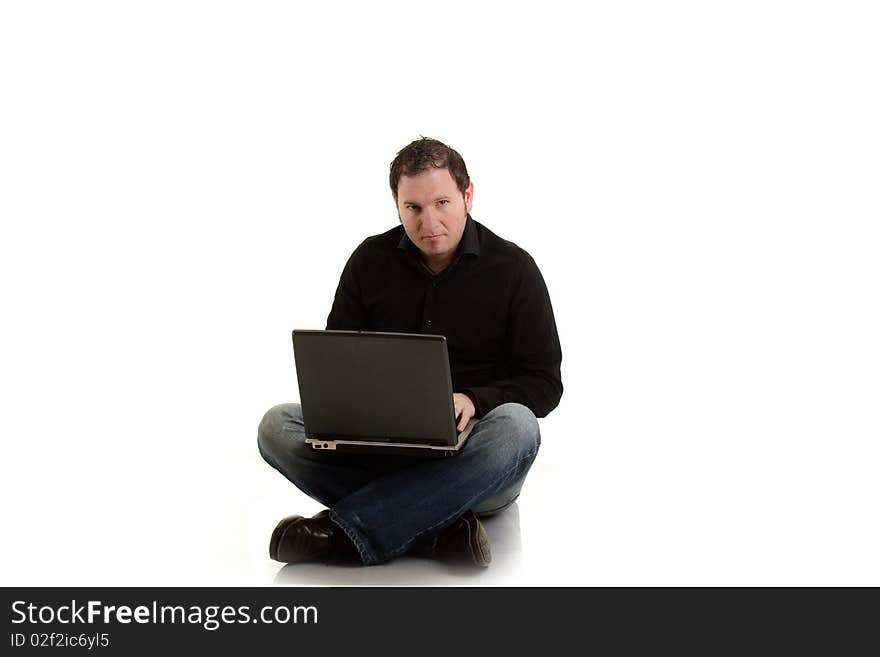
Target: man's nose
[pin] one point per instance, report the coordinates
(430, 219)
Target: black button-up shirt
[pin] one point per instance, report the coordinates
(491, 303)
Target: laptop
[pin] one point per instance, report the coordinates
(377, 393)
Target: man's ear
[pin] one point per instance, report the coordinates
(469, 197)
(396, 209)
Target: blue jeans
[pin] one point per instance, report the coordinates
(388, 505)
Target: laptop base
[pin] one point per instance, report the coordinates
(393, 448)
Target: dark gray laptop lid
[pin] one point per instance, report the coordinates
(375, 386)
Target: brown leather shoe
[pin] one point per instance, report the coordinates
(297, 539)
(464, 541)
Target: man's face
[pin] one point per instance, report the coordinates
(433, 212)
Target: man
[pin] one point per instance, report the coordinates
(439, 272)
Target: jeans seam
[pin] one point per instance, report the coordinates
(367, 555)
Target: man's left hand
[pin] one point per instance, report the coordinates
(464, 407)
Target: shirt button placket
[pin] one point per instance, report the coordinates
(427, 319)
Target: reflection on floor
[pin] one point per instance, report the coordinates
(504, 535)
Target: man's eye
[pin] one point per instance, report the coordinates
(443, 201)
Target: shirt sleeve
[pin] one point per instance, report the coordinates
(348, 312)
(535, 379)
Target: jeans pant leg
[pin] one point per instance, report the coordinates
(324, 476)
(389, 514)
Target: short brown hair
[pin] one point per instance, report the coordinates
(423, 153)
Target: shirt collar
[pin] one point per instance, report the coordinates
(470, 241)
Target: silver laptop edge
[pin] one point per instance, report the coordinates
(332, 444)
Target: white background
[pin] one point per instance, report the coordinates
(181, 183)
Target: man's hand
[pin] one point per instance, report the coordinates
(464, 407)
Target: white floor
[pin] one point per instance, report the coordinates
(609, 512)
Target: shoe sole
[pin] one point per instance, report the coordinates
(479, 542)
(480, 548)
